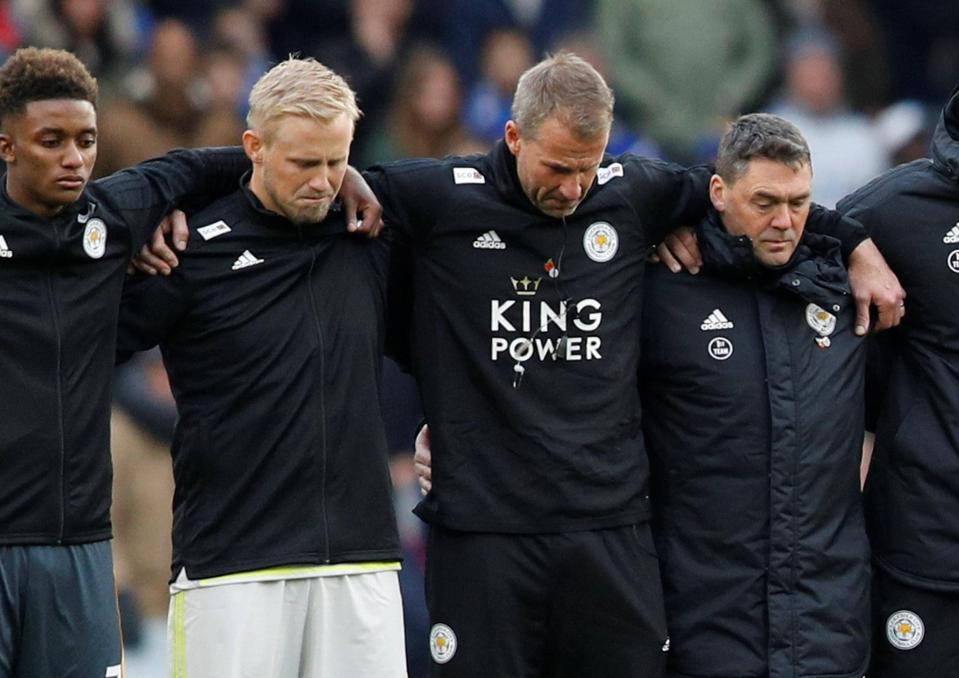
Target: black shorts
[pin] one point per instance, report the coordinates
(915, 631)
(577, 604)
(58, 612)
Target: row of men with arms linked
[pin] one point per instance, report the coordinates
(718, 533)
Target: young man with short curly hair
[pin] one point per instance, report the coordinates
(64, 247)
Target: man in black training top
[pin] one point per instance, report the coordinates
(285, 549)
(526, 292)
(64, 247)
(912, 378)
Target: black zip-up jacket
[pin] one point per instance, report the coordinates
(752, 391)
(61, 280)
(272, 335)
(912, 491)
(564, 450)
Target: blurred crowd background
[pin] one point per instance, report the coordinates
(863, 79)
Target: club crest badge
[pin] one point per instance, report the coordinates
(904, 629)
(442, 643)
(820, 320)
(95, 238)
(601, 242)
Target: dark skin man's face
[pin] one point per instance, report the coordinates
(50, 151)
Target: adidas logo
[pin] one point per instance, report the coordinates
(716, 321)
(489, 241)
(5, 252)
(246, 260)
(952, 237)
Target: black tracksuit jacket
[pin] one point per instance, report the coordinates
(752, 395)
(564, 451)
(272, 335)
(912, 387)
(60, 283)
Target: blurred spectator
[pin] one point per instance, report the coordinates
(905, 130)
(102, 33)
(681, 70)
(469, 22)
(367, 55)
(507, 53)
(861, 42)
(165, 107)
(226, 85)
(845, 148)
(241, 32)
(9, 31)
(922, 41)
(197, 15)
(424, 115)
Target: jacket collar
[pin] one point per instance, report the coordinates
(18, 211)
(945, 140)
(815, 272)
(506, 178)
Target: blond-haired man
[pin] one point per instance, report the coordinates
(285, 548)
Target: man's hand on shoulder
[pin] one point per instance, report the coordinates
(874, 284)
(680, 250)
(363, 211)
(158, 255)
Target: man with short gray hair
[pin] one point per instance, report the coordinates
(751, 382)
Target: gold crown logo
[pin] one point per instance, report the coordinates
(525, 287)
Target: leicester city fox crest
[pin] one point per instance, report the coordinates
(95, 238)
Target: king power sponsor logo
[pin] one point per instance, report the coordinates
(538, 330)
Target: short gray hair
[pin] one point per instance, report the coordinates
(566, 86)
(760, 135)
(302, 87)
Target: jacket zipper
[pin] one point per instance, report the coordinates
(322, 392)
(59, 381)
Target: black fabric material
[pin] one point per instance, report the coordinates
(571, 605)
(753, 422)
(272, 335)
(563, 451)
(58, 337)
(912, 491)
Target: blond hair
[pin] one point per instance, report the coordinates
(564, 86)
(303, 87)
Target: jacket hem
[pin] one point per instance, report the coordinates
(545, 527)
(47, 539)
(222, 569)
